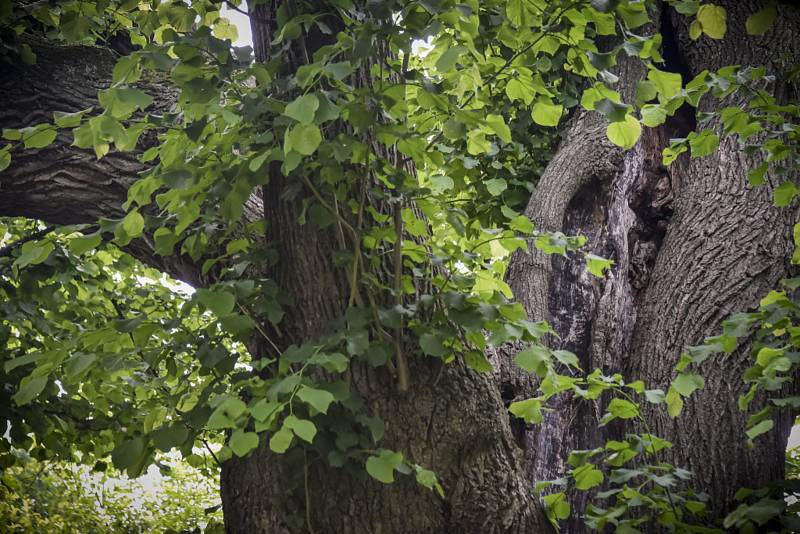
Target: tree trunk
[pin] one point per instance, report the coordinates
(692, 244)
(451, 419)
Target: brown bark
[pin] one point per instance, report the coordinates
(675, 276)
(451, 420)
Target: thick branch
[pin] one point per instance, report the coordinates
(62, 184)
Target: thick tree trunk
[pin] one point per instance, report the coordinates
(726, 247)
(452, 420)
(676, 275)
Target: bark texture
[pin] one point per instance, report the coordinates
(60, 183)
(726, 247)
(451, 420)
(691, 245)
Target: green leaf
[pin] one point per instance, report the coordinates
(762, 427)
(655, 396)
(131, 226)
(597, 265)
(281, 440)
(687, 383)
(613, 111)
(226, 413)
(427, 479)
(477, 143)
(220, 302)
(653, 115)
(128, 453)
(704, 143)
(534, 359)
(264, 410)
(517, 90)
(29, 389)
(767, 354)
(303, 139)
(126, 70)
(784, 194)
(79, 245)
(755, 176)
(674, 402)
(499, 126)
(450, 57)
(302, 428)
(622, 408)
(713, 20)
(318, 398)
(626, 133)
(34, 253)
(558, 505)
(587, 476)
(546, 113)
(5, 158)
(68, 120)
(121, 102)
(496, 186)
(668, 84)
(78, 363)
(761, 21)
(432, 345)
(165, 241)
(38, 137)
(382, 467)
(27, 359)
(302, 108)
(241, 442)
(225, 29)
(530, 410)
(167, 437)
(566, 357)
(441, 183)
(477, 361)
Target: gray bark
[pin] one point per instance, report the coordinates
(676, 276)
(60, 183)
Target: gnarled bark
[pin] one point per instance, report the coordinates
(676, 276)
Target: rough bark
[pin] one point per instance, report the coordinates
(62, 184)
(675, 276)
(459, 428)
(726, 247)
(451, 420)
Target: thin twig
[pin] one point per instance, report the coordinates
(212, 453)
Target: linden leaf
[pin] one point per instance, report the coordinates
(241, 442)
(625, 133)
(761, 21)
(382, 467)
(713, 20)
(545, 113)
(302, 108)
